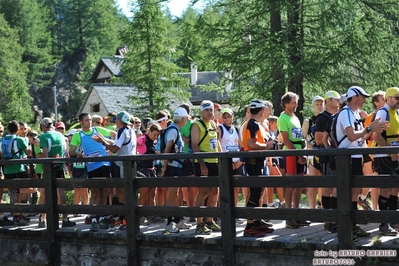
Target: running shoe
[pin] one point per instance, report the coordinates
(253, 232)
(6, 222)
(213, 226)
(202, 229)
(364, 204)
(171, 228)
(68, 223)
(359, 232)
(20, 221)
(292, 224)
(94, 227)
(103, 225)
(387, 230)
(183, 225)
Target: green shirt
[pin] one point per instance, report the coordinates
(185, 131)
(54, 142)
(292, 125)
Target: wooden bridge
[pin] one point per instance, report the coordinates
(148, 245)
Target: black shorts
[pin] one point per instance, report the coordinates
(239, 170)
(383, 165)
(357, 166)
(79, 172)
(213, 169)
(316, 164)
(103, 171)
(147, 172)
(367, 158)
(16, 175)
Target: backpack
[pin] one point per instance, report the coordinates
(163, 141)
(213, 125)
(310, 135)
(384, 133)
(334, 139)
(8, 147)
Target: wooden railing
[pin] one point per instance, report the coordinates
(343, 181)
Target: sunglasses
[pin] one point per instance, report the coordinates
(1, 131)
(98, 123)
(396, 98)
(227, 117)
(137, 122)
(31, 135)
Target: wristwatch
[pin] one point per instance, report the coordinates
(368, 129)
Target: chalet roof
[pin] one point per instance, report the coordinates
(117, 97)
(112, 64)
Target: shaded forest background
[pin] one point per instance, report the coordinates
(270, 47)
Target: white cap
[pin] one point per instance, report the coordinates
(206, 104)
(317, 98)
(256, 104)
(71, 132)
(180, 112)
(355, 91)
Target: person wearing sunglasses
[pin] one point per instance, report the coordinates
(97, 121)
(388, 163)
(229, 138)
(204, 138)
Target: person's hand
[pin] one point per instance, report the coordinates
(97, 138)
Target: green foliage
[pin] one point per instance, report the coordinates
(149, 62)
(14, 97)
(31, 21)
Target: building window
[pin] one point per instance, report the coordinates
(95, 108)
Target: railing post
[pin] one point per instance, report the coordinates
(131, 202)
(227, 211)
(53, 252)
(344, 200)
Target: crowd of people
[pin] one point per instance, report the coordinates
(337, 122)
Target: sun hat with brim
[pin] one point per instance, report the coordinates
(356, 91)
(391, 92)
(124, 117)
(332, 94)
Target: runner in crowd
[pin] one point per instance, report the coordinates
(388, 163)
(308, 131)
(350, 133)
(291, 132)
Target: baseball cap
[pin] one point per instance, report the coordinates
(332, 94)
(124, 117)
(60, 124)
(180, 112)
(317, 98)
(343, 99)
(206, 104)
(227, 110)
(217, 106)
(256, 104)
(46, 122)
(71, 132)
(391, 92)
(355, 91)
